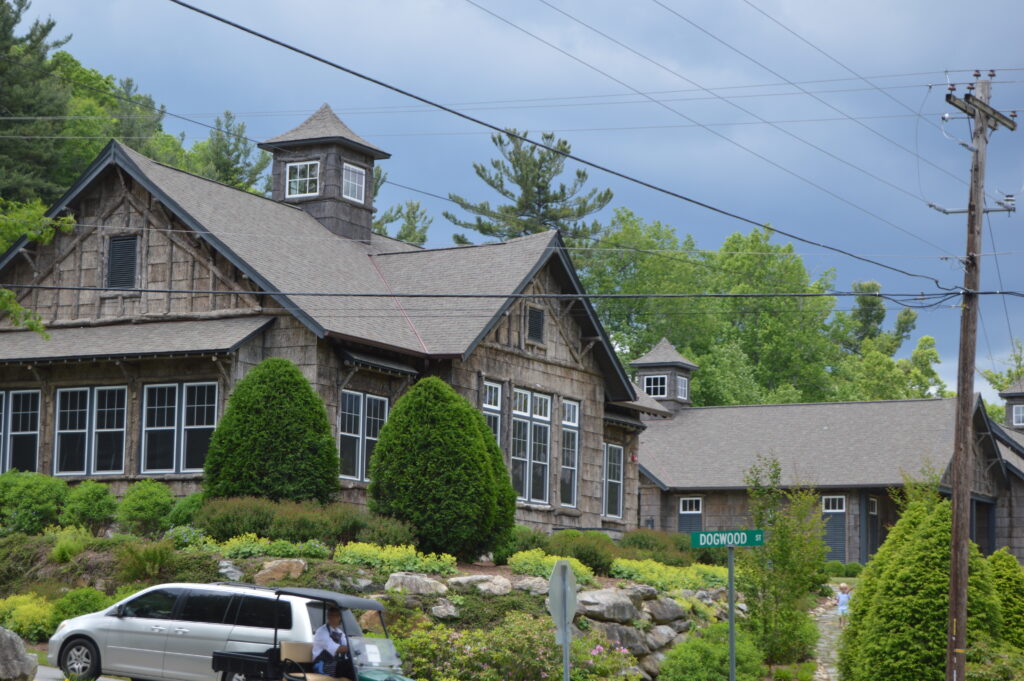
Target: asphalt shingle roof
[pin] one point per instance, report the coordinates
(663, 353)
(848, 444)
(1016, 389)
(323, 125)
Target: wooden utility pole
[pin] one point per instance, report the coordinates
(985, 118)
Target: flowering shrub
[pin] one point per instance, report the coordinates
(668, 578)
(191, 538)
(521, 648)
(394, 558)
(539, 564)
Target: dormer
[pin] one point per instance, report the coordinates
(664, 374)
(1014, 396)
(327, 170)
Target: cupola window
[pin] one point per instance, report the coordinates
(303, 179)
(353, 183)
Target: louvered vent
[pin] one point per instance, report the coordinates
(535, 325)
(121, 262)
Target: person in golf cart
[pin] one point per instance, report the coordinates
(330, 645)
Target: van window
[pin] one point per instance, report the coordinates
(205, 606)
(158, 604)
(264, 612)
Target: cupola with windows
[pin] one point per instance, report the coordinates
(327, 170)
(664, 374)
(1014, 396)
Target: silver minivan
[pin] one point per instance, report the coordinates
(170, 631)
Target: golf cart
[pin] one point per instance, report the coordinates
(368, 658)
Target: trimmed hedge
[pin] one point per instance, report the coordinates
(1009, 586)
(30, 502)
(90, 505)
(145, 508)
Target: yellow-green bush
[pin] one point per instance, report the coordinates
(394, 558)
(668, 578)
(245, 546)
(28, 616)
(539, 564)
(70, 541)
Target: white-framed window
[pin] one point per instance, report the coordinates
(872, 506)
(568, 479)
(110, 409)
(360, 418)
(1018, 414)
(613, 476)
(159, 428)
(833, 504)
(492, 408)
(19, 425)
(71, 441)
(303, 179)
(198, 425)
(656, 386)
(531, 444)
(690, 505)
(682, 388)
(177, 422)
(353, 183)
(691, 517)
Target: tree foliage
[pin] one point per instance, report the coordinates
(525, 177)
(227, 156)
(1001, 380)
(434, 434)
(274, 440)
(1008, 576)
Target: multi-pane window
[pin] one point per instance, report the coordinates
(109, 411)
(656, 386)
(570, 452)
(90, 430)
(531, 443)
(360, 418)
(872, 506)
(682, 388)
(353, 183)
(303, 179)
(1018, 414)
(492, 408)
(200, 420)
(613, 476)
(177, 422)
(833, 504)
(72, 437)
(159, 428)
(690, 509)
(22, 429)
(122, 255)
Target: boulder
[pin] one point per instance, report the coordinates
(230, 571)
(680, 638)
(660, 636)
(638, 593)
(414, 583)
(664, 610)
(651, 664)
(274, 570)
(680, 625)
(444, 610)
(607, 605)
(538, 586)
(15, 663)
(704, 597)
(492, 585)
(629, 638)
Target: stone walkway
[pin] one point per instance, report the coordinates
(827, 620)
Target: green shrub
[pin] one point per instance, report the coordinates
(835, 568)
(274, 439)
(145, 561)
(384, 531)
(185, 509)
(126, 590)
(478, 610)
(704, 656)
(707, 555)
(20, 557)
(668, 578)
(988, 661)
(188, 537)
(298, 521)
(647, 540)
(29, 618)
(852, 570)
(539, 564)
(70, 541)
(78, 602)
(596, 550)
(90, 505)
(280, 548)
(314, 548)
(30, 502)
(1008, 576)
(394, 558)
(521, 538)
(222, 519)
(245, 546)
(145, 508)
(434, 434)
(195, 567)
(344, 522)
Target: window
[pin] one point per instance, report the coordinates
(690, 509)
(71, 442)
(1018, 414)
(570, 452)
(265, 613)
(535, 324)
(872, 506)
(682, 388)
(531, 441)
(303, 179)
(173, 439)
(613, 465)
(22, 429)
(109, 429)
(492, 408)
(359, 421)
(121, 261)
(205, 606)
(833, 504)
(690, 505)
(656, 386)
(353, 183)
(158, 604)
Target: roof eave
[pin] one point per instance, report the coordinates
(374, 152)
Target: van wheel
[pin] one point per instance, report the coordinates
(80, 659)
(228, 676)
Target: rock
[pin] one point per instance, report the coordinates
(608, 605)
(370, 621)
(741, 608)
(492, 585)
(680, 638)
(638, 593)
(15, 663)
(230, 571)
(414, 583)
(444, 610)
(274, 570)
(660, 636)
(704, 597)
(629, 638)
(680, 625)
(652, 663)
(537, 586)
(361, 584)
(664, 610)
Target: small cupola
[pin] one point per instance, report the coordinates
(664, 374)
(327, 170)
(1014, 396)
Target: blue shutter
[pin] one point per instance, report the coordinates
(835, 536)
(690, 522)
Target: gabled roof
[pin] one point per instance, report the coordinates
(645, 403)
(1011, 447)
(323, 126)
(663, 354)
(831, 444)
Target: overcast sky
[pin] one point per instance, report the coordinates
(757, 107)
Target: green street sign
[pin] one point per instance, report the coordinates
(727, 538)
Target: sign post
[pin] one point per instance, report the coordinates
(562, 606)
(730, 539)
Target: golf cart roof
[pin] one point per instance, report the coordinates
(341, 600)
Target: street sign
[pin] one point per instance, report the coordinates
(562, 606)
(729, 538)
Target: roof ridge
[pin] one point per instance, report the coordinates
(816, 404)
(468, 246)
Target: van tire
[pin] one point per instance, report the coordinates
(80, 659)
(228, 676)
